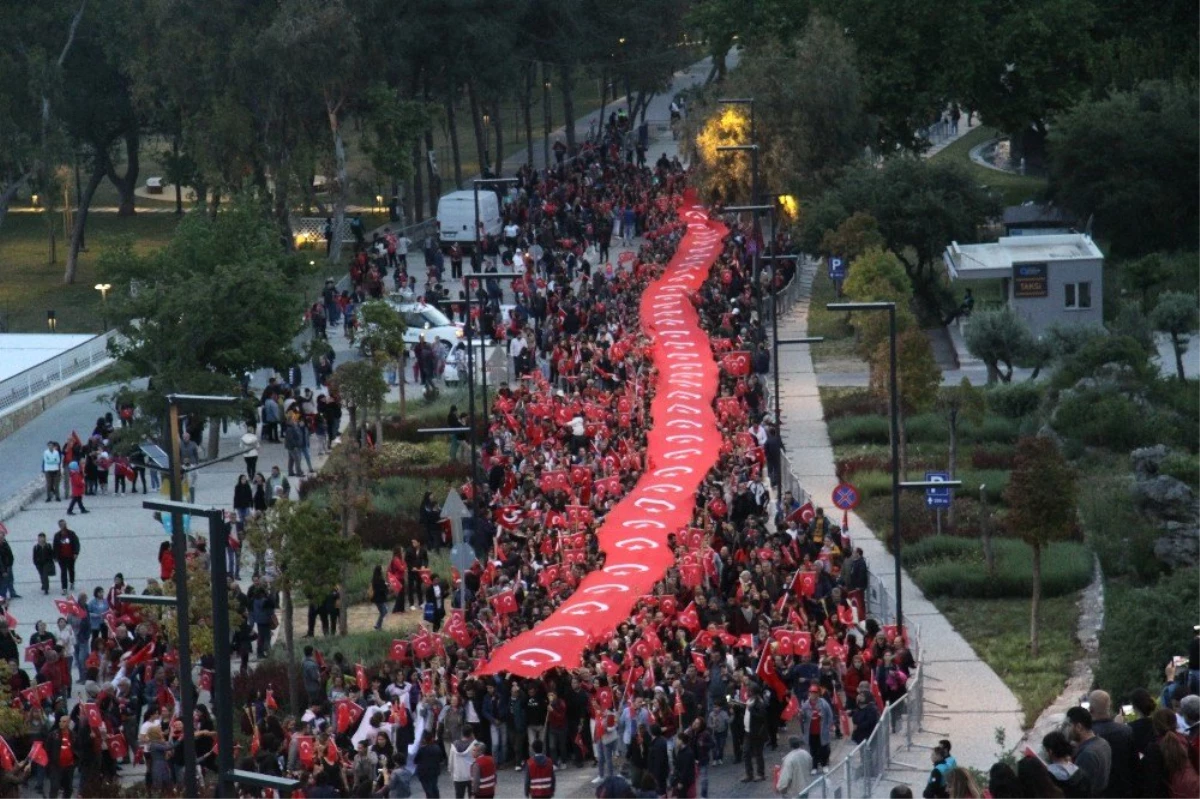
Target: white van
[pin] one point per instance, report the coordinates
(456, 216)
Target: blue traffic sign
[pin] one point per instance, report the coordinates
(937, 497)
(837, 268)
(845, 496)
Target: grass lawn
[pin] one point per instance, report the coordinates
(838, 347)
(30, 285)
(1013, 189)
(998, 631)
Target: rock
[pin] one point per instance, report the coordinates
(1166, 498)
(1147, 460)
(1179, 546)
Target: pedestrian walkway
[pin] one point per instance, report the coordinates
(965, 700)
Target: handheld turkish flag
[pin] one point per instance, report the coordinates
(803, 514)
(271, 703)
(91, 711)
(459, 631)
(7, 759)
(347, 714)
(422, 645)
(306, 749)
(394, 583)
(802, 643)
(691, 576)
(699, 662)
(679, 704)
(400, 714)
(509, 517)
(744, 640)
(505, 602)
(604, 697)
(793, 707)
(609, 665)
(206, 680)
(398, 650)
(37, 753)
(783, 640)
(118, 747)
(808, 583)
(70, 607)
(766, 672)
(846, 615)
(736, 364)
(360, 675)
(690, 618)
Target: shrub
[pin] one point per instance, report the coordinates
(859, 430)
(928, 428)
(916, 521)
(270, 673)
(1120, 350)
(383, 531)
(994, 429)
(1109, 420)
(1014, 400)
(955, 567)
(846, 468)
(1183, 466)
(1120, 535)
(992, 457)
(839, 403)
(1144, 627)
(873, 484)
(995, 479)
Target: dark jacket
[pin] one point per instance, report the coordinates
(62, 540)
(1120, 741)
(865, 718)
(685, 770)
(659, 764)
(428, 761)
(43, 558)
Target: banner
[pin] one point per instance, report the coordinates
(682, 446)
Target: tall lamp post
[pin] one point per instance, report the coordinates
(104, 288)
(487, 136)
(753, 208)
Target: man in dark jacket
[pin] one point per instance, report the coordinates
(1120, 741)
(7, 589)
(43, 561)
(756, 735)
(685, 765)
(659, 764)
(865, 716)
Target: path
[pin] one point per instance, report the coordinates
(966, 700)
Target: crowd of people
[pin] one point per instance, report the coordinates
(761, 626)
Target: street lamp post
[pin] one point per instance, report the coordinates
(753, 208)
(546, 108)
(487, 158)
(104, 288)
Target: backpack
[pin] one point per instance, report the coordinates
(430, 611)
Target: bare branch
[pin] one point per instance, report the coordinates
(71, 33)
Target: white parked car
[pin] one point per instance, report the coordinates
(426, 320)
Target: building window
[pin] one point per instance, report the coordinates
(1077, 296)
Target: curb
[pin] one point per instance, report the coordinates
(24, 497)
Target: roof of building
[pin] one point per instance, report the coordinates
(996, 259)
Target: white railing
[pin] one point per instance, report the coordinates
(57, 372)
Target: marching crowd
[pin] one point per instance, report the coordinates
(759, 631)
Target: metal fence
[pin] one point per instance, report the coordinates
(789, 295)
(54, 373)
(861, 771)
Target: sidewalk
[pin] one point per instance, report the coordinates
(965, 700)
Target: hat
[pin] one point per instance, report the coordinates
(74, 467)
(814, 689)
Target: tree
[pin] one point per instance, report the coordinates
(920, 206)
(310, 556)
(1176, 315)
(221, 299)
(959, 403)
(1041, 498)
(877, 276)
(723, 177)
(808, 115)
(856, 234)
(1150, 275)
(361, 386)
(382, 335)
(1000, 338)
(1145, 191)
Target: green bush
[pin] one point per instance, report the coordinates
(1109, 420)
(995, 479)
(1183, 466)
(873, 484)
(928, 428)
(1014, 400)
(859, 430)
(1144, 627)
(1120, 536)
(841, 402)
(1121, 350)
(993, 429)
(955, 567)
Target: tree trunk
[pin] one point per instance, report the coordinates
(985, 524)
(418, 199)
(953, 464)
(902, 447)
(603, 101)
(333, 109)
(349, 527)
(527, 112)
(567, 84)
(289, 642)
(214, 437)
(1036, 601)
(497, 116)
(1180, 348)
(178, 188)
(452, 129)
(400, 367)
(435, 177)
(9, 193)
(128, 182)
(477, 124)
(53, 239)
(215, 207)
(81, 214)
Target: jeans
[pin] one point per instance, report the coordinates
(430, 786)
(535, 732)
(754, 755)
(155, 481)
(704, 781)
(307, 458)
(7, 589)
(76, 501)
(233, 562)
(52, 485)
(499, 741)
(718, 752)
(82, 649)
(557, 746)
(383, 609)
(461, 789)
(604, 758)
(264, 638)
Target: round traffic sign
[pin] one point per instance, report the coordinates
(845, 496)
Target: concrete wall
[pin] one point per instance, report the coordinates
(18, 417)
(1043, 312)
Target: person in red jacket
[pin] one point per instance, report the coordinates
(483, 773)
(75, 478)
(539, 774)
(62, 759)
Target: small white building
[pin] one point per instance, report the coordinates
(1045, 279)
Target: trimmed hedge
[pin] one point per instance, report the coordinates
(955, 567)
(858, 430)
(1014, 400)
